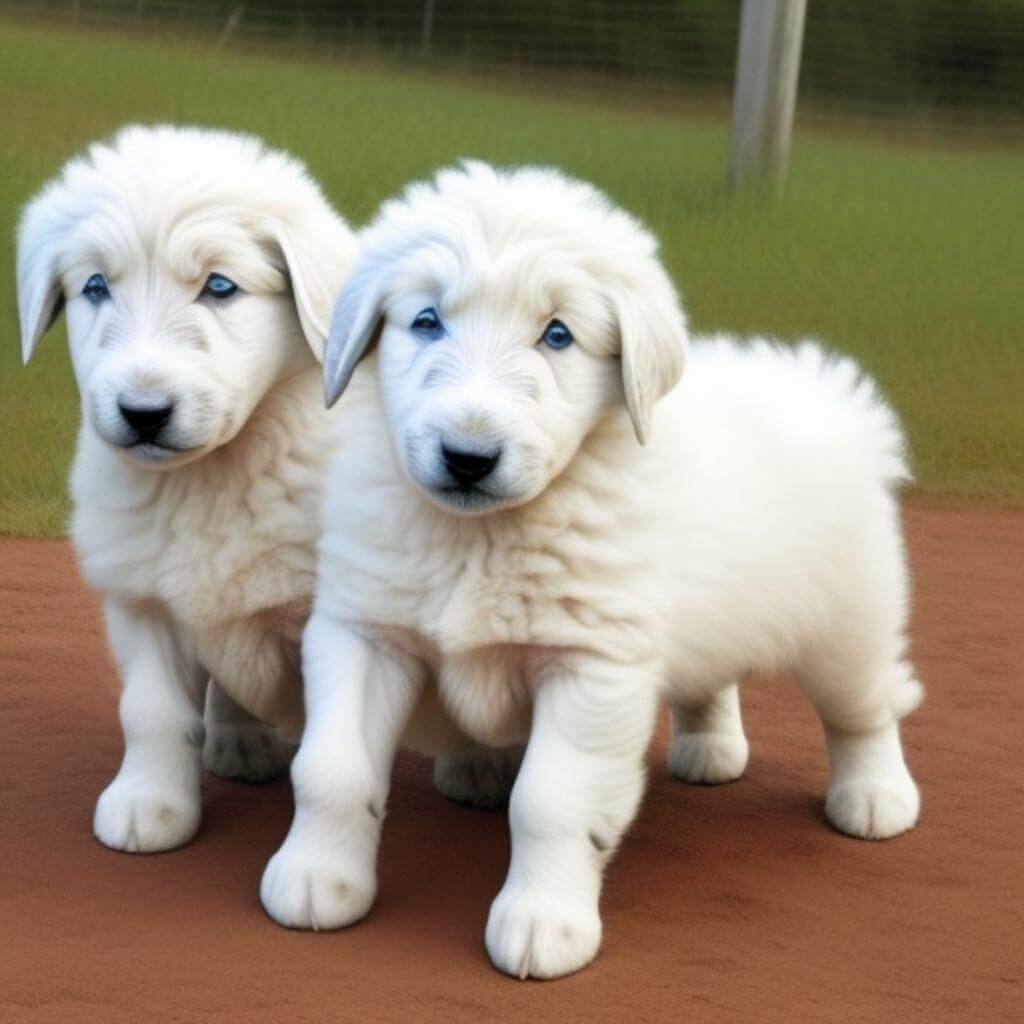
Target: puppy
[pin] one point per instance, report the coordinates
(554, 531)
(197, 270)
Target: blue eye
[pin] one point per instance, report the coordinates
(556, 335)
(96, 289)
(219, 287)
(427, 324)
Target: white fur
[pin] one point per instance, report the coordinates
(204, 550)
(756, 531)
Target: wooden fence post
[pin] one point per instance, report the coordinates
(234, 19)
(767, 68)
(427, 28)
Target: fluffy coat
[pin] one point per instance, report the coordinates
(585, 575)
(201, 535)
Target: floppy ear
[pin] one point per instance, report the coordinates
(40, 294)
(356, 323)
(652, 333)
(317, 255)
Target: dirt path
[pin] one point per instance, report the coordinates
(728, 904)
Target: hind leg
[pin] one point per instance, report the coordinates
(479, 776)
(239, 746)
(708, 744)
(871, 794)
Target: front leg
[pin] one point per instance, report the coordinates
(577, 792)
(359, 697)
(153, 803)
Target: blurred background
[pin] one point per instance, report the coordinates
(898, 237)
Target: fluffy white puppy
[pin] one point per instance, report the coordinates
(197, 270)
(553, 533)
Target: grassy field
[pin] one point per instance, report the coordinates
(909, 255)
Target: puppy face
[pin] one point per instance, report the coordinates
(490, 388)
(515, 312)
(196, 270)
(170, 362)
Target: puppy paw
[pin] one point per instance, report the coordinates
(140, 819)
(481, 779)
(705, 758)
(246, 751)
(534, 935)
(873, 807)
(304, 888)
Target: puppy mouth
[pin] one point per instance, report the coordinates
(148, 449)
(466, 496)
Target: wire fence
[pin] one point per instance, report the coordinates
(961, 61)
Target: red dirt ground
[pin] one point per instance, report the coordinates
(735, 903)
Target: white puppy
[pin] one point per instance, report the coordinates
(198, 270)
(552, 533)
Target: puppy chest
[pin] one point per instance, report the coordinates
(256, 659)
(204, 576)
(489, 692)
(539, 611)
(271, 588)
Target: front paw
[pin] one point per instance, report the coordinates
(874, 807)
(141, 818)
(534, 934)
(246, 751)
(304, 888)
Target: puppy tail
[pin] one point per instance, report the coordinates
(873, 421)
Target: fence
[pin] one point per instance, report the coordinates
(962, 60)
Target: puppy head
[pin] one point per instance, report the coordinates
(515, 311)
(196, 268)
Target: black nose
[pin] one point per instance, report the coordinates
(146, 419)
(468, 468)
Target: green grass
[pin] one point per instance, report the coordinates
(907, 254)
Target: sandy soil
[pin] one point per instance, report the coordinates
(730, 904)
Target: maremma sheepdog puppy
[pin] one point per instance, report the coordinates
(197, 270)
(556, 527)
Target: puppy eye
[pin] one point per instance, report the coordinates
(556, 335)
(219, 287)
(96, 289)
(428, 324)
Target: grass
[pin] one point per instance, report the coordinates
(906, 254)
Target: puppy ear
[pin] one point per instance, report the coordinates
(652, 333)
(356, 323)
(317, 265)
(40, 294)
